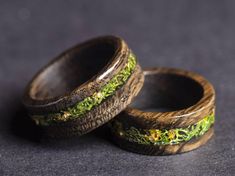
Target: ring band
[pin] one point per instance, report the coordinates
(173, 113)
(84, 87)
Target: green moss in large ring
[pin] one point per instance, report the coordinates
(88, 103)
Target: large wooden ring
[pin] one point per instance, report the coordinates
(173, 113)
(84, 87)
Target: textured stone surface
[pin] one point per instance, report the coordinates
(194, 35)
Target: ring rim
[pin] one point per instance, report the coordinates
(68, 99)
(171, 116)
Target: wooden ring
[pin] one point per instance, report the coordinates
(173, 113)
(84, 87)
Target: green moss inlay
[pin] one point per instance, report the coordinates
(90, 102)
(163, 137)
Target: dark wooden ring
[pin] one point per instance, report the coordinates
(173, 113)
(84, 87)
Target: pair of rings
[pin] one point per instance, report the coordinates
(96, 82)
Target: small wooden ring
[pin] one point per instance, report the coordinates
(84, 87)
(183, 120)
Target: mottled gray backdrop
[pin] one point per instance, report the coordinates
(194, 35)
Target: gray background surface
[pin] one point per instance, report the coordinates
(193, 35)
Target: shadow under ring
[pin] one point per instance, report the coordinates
(173, 113)
(84, 87)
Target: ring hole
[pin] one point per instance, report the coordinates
(167, 92)
(75, 68)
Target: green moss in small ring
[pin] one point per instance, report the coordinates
(163, 137)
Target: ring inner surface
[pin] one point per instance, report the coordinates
(76, 67)
(167, 92)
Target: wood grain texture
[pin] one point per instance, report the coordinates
(181, 100)
(101, 113)
(53, 93)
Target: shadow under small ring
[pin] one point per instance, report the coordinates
(173, 113)
(84, 87)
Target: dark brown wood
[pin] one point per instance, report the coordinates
(170, 99)
(101, 113)
(80, 73)
(75, 74)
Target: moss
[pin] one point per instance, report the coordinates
(164, 137)
(88, 103)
